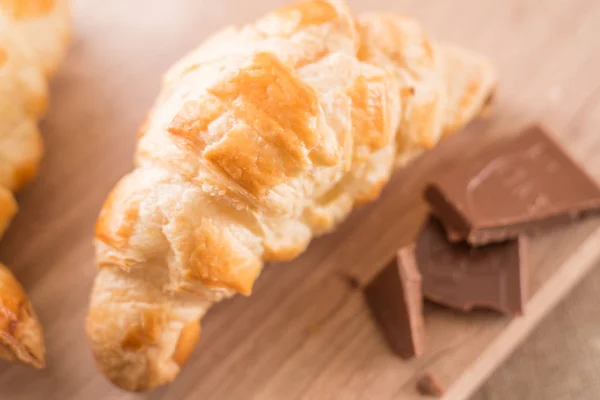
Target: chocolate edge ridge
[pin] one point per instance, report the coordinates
(445, 210)
(512, 231)
(380, 322)
(524, 243)
(417, 324)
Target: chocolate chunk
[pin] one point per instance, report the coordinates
(521, 185)
(396, 301)
(427, 385)
(463, 277)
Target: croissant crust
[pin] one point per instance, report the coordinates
(33, 38)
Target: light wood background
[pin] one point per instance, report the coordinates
(305, 333)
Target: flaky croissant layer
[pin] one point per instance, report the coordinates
(33, 38)
(262, 138)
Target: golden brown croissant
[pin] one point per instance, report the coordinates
(262, 138)
(33, 37)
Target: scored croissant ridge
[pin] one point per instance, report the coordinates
(33, 38)
(262, 138)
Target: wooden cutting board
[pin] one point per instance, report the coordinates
(305, 333)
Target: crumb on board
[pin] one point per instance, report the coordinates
(428, 385)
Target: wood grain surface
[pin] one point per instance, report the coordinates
(305, 333)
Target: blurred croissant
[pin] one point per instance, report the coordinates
(262, 138)
(33, 37)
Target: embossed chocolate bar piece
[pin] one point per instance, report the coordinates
(521, 185)
(464, 277)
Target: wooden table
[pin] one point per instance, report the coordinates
(305, 333)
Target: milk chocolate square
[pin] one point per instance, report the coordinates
(463, 277)
(396, 301)
(521, 185)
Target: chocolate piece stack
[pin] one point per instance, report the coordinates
(472, 250)
(488, 205)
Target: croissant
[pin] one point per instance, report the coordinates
(33, 38)
(262, 138)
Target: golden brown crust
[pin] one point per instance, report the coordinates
(472, 90)
(21, 337)
(370, 120)
(24, 9)
(118, 237)
(33, 39)
(216, 261)
(262, 138)
(36, 40)
(188, 339)
(400, 44)
(8, 208)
